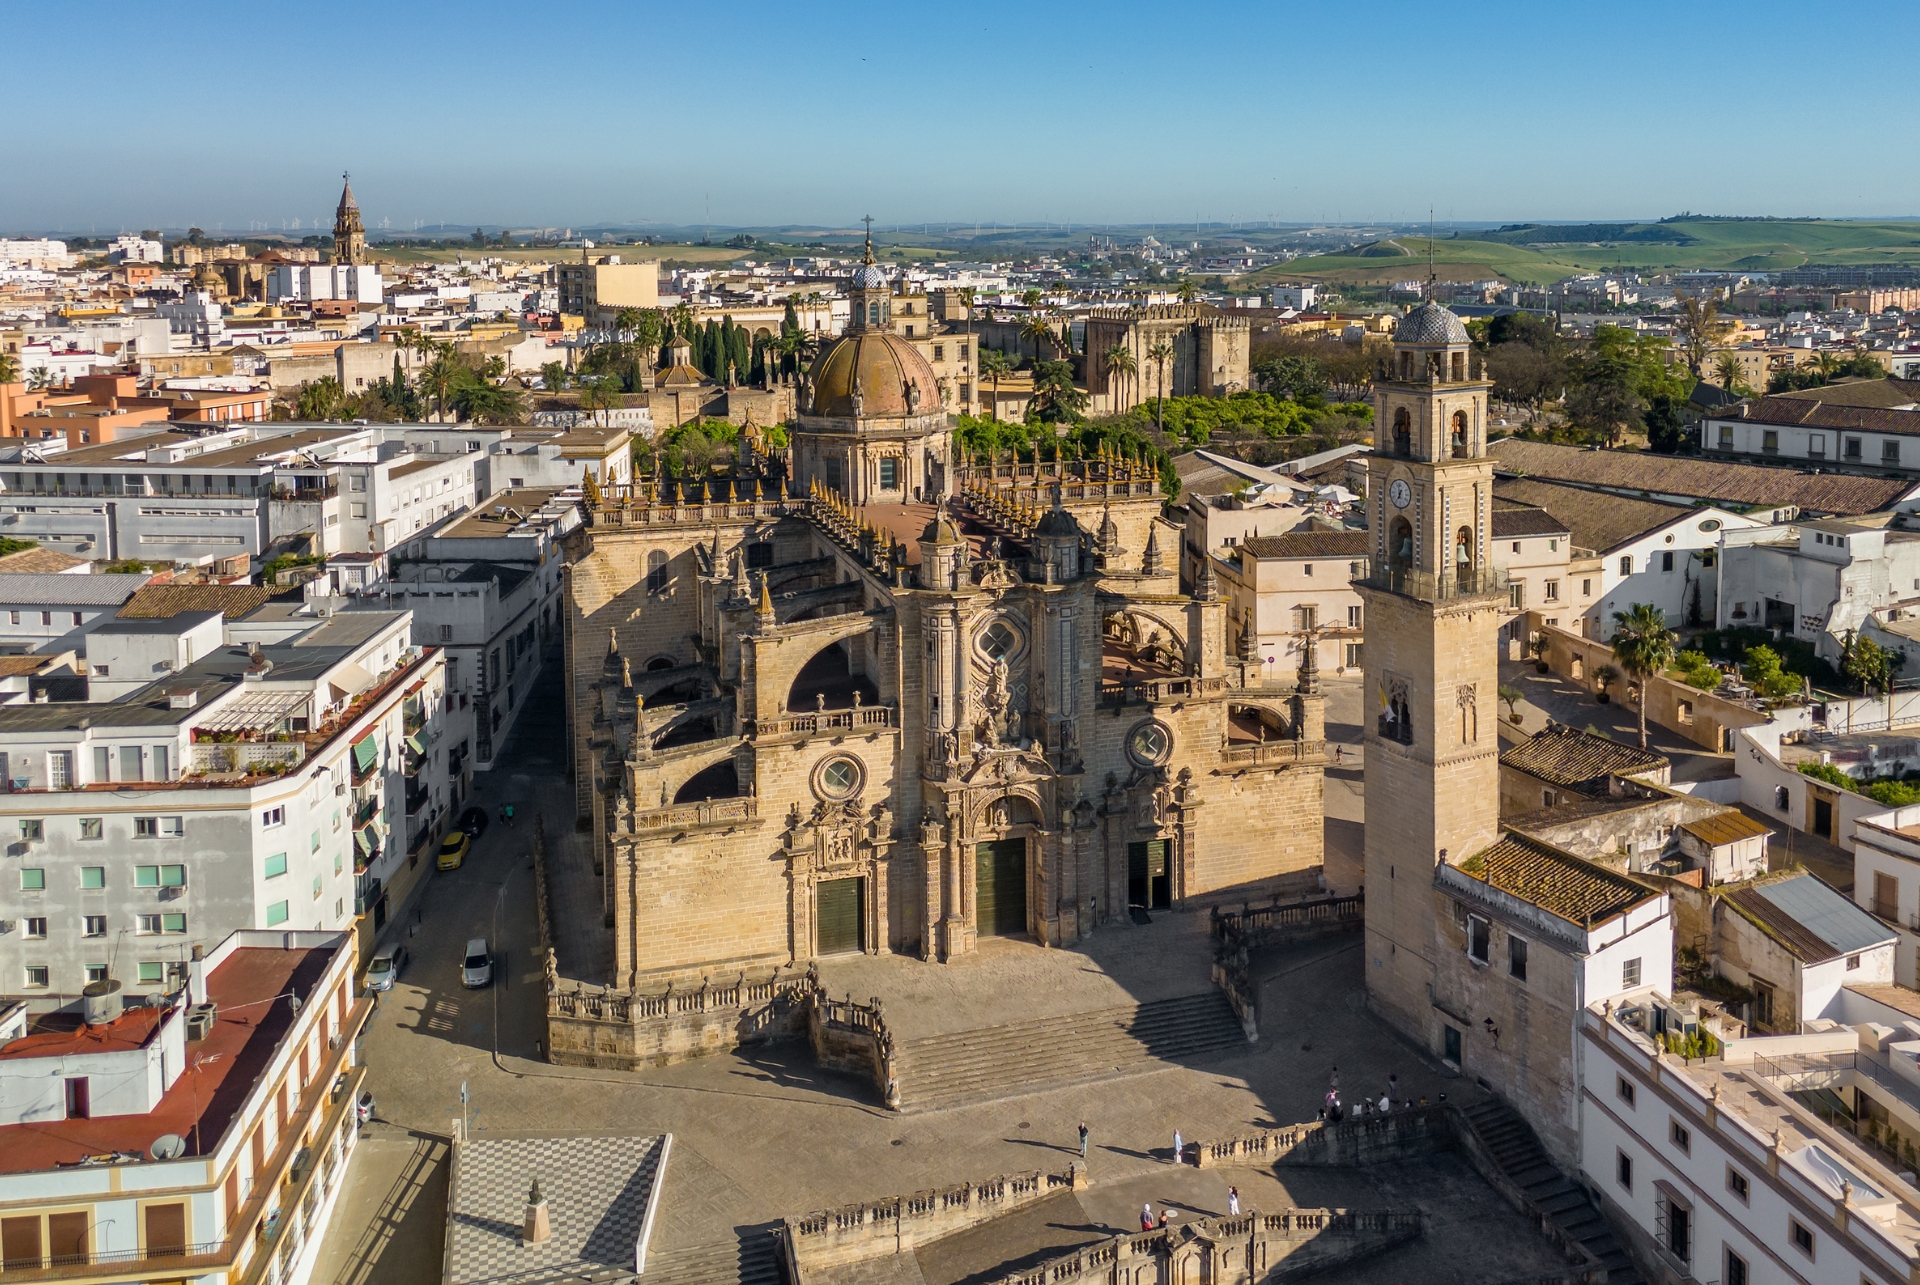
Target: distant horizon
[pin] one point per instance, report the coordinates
(942, 229)
(224, 114)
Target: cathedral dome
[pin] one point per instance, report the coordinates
(1058, 522)
(869, 276)
(883, 367)
(1431, 324)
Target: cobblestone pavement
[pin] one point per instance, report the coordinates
(763, 1132)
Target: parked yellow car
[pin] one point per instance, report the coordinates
(453, 850)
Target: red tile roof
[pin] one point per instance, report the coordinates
(221, 1070)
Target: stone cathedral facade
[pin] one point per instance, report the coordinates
(861, 695)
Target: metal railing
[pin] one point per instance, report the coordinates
(1437, 586)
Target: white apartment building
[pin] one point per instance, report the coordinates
(305, 282)
(1720, 1170)
(294, 785)
(34, 253)
(200, 1137)
(1817, 580)
(196, 495)
(135, 249)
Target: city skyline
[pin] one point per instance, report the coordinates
(1507, 115)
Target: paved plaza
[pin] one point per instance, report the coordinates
(762, 1132)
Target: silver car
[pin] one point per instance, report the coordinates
(476, 970)
(385, 968)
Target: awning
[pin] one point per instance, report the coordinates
(367, 849)
(350, 679)
(416, 745)
(252, 710)
(416, 688)
(366, 752)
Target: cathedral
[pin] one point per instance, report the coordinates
(863, 694)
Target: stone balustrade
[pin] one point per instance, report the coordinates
(604, 1027)
(1368, 1139)
(827, 722)
(896, 1224)
(1238, 934)
(1270, 753)
(687, 815)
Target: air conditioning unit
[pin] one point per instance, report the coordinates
(200, 1021)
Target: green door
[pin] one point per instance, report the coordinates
(1148, 882)
(1000, 887)
(840, 916)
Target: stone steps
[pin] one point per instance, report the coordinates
(750, 1260)
(1019, 1057)
(1519, 1154)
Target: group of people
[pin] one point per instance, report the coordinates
(1333, 1110)
(1148, 1222)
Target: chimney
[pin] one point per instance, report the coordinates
(537, 1228)
(197, 975)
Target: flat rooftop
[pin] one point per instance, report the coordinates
(516, 507)
(249, 987)
(600, 1192)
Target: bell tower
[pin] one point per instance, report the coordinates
(349, 233)
(1433, 608)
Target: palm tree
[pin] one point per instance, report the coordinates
(625, 322)
(440, 376)
(1160, 354)
(1726, 369)
(1120, 360)
(1188, 292)
(9, 368)
(1038, 329)
(1031, 296)
(993, 364)
(323, 399)
(1644, 646)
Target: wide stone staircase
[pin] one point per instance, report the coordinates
(754, 1259)
(1519, 1155)
(990, 1062)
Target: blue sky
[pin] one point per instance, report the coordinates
(565, 114)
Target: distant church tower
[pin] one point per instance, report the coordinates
(349, 234)
(1433, 609)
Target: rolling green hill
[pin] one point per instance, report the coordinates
(1533, 254)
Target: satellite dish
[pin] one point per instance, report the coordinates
(168, 1146)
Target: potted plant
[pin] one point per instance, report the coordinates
(1605, 676)
(1537, 645)
(1511, 696)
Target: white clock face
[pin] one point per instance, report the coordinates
(1400, 493)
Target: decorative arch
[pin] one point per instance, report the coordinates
(1022, 804)
(1460, 438)
(1402, 427)
(719, 779)
(827, 681)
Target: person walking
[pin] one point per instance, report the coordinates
(1083, 1139)
(1233, 1202)
(1164, 1215)
(1177, 1146)
(1146, 1217)
(1393, 1085)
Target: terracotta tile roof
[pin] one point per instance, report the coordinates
(1308, 544)
(1523, 520)
(40, 562)
(1721, 482)
(1577, 890)
(1579, 760)
(158, 602)
(1599, 520)
(1816, 414)
(1888, 394)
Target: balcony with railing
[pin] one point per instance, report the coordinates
(1458, 584)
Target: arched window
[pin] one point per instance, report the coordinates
(873, 314)
(1402, 432)
(1459, 367)
(1463, 546)
(657, 575)
(1400, 543)
(1459, 436)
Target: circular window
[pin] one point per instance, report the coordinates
(1711, 524)
(1149, 744)
(999, 640)
(838, 778)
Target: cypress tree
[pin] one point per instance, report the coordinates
(742, 353)
(710, 350)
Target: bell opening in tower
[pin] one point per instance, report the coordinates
(1400, 544)
(1402, 432)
